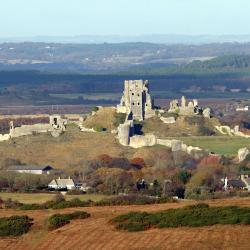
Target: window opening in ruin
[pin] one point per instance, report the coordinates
(55, 121)
(133, 103)
(138, 103)
(132, 93)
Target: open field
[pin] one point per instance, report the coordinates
(224, 145)
(97, 232)
(41, 198)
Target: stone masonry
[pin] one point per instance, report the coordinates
(136, 100)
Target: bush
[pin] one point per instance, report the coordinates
(9, 203)
(31, 207)
(58, 220)
(15, 225)
(99, 128)
(119, 119)
(192, 216)
(58, 198)
(95, 109)
(75, 192)
(132, 199)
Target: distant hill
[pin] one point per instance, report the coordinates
(109, 58)
(149, 38)
(229, 61)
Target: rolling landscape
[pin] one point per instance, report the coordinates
(124, 125)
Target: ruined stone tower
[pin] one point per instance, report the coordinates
(136, 100)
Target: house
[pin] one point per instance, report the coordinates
(235, 184)
(246, 180)
(59, 183)
(31, 169)
(243, 182)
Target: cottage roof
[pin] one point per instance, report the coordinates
(62, 182)
(236, 183)
(29, 167)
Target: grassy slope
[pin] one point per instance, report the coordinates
(218, 144)
(104, 117)
(66, 151)
(180, 128)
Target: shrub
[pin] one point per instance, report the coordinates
(9, 203)
(15, 225)
(58, 220)
(193, 216)
(31, 207)
(95, 109)
(132, 199)
(58, 198)
(119, 119)
(75, 192)
(99, 128)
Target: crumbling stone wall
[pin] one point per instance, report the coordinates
(188, 108)
(136, 100)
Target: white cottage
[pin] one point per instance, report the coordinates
(62, 184)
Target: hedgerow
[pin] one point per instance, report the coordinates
(61, 203)
(192, 216)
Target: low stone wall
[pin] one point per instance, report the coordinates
(226, 130)
(30, 129)
(138, 141)
(4, 137)
(177, 145)
(167, 120)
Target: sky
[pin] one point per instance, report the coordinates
(22, 18)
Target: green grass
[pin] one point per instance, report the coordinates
(224, 145)
(192, 216)
(41, 198)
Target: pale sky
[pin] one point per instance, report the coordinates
(123, 17)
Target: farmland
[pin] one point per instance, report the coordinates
(97, 232)
(43, 197)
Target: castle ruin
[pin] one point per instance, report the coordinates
(136, 101)
(188, 108)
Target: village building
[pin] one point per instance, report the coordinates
(61, 184)
(244, 109)
(246, 180)
(243, 182)
(29, 169)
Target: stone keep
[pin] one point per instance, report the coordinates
(136, 100)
